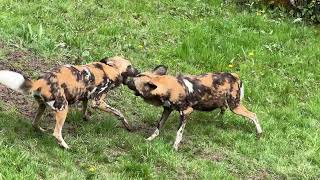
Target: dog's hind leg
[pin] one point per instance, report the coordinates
(36, 120)
(182, 124)
(242, 111)
(41, 109)
(164, 117)
(105, 107)
(85, 115)
(60, 119)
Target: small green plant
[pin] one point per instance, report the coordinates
(30, 35)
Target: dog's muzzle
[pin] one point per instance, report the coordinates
(130, 83)
(132, 72)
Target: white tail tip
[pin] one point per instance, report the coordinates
(12, 80)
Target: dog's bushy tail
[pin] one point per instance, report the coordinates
(241, 85)
(15, 81)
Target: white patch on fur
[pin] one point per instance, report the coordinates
(102, 89)
(105, 87)
(242, 91)
(67, 65)
(51, 103)
(87, 77)
(12, 80)
(179, 137)
(189, 85)
(91, 92)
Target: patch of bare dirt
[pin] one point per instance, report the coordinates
(143, 128)
(28, 64)
(24, 62)
(260, 175)
(24, 104)
(16, 55)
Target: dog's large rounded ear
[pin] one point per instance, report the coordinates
(160, 70)
(110, 63)
(107, 61)
(149, 86)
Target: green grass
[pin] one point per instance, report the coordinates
(277, 60)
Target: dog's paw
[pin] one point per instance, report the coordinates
(39, 129)
(259, 135)
(64, 145)
(175, 147)
(150, 138)
(154, 135)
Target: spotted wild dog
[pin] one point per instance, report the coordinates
(68, 84)
(187, 93)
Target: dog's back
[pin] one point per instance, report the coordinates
(213, 90)
(76, 82)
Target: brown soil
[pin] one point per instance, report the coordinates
(28, 64)
(261, 174)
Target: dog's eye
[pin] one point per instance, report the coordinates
(140, 75)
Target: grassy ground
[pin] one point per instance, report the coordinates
(277, 60)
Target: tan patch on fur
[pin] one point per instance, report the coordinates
(65, 76)
(45, 90)
(206, 80)
(235, 89)
(97, 73)
(120, 63)
(226, 86)
(112, 72)
(168, 84)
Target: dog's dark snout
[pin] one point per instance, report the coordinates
(135, 72)
(130, 83)
(131, 71)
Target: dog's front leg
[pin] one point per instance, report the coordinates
(105, 107)
(182, 124)
(60, 119)
(166, 112)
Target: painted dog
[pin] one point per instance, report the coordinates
(187, 93)
(68, 84)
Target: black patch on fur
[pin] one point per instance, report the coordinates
(69, 96)
(59, 103)
(75, 72)
(52, 82)
(104, 60)
(102, 88)
(27, 84)
(98, 66)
